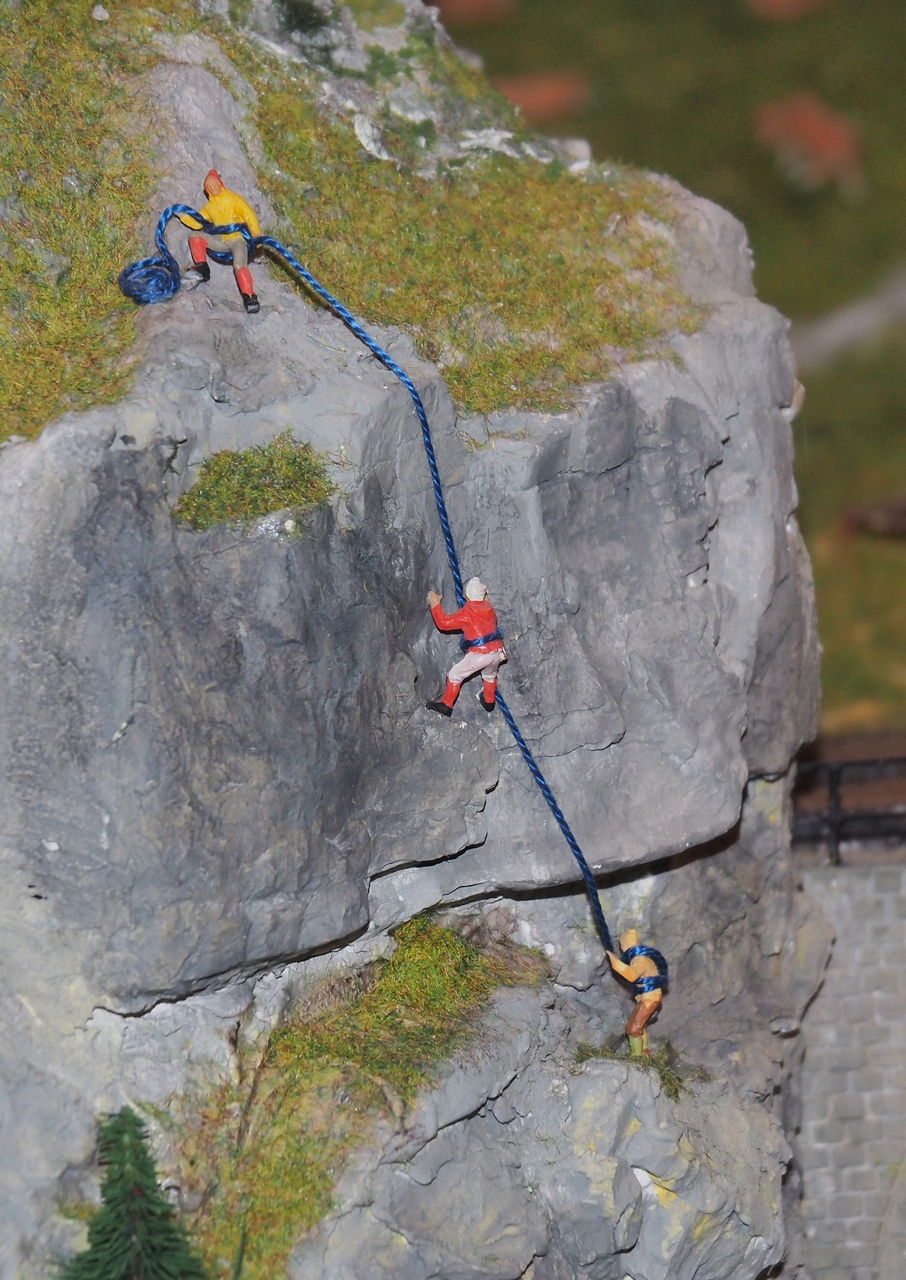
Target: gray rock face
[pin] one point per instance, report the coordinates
(215, 758)
(554, 1171)
(520, 1163)
(517, 1158)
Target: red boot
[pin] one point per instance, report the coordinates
(199, 271)
(247, 289)
(444, 705)
(488, 695)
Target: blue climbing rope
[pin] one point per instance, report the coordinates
(544, 786)
(157, 279)
(642, 985)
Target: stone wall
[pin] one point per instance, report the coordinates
(854, 1080)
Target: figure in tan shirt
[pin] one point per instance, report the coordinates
(641, 966)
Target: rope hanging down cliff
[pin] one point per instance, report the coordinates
(156, 279)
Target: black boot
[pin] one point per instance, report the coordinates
(488, 706)
(251, 303)
(197, 273)
(440, 707)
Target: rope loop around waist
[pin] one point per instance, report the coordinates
(653, 982)
(466, 645)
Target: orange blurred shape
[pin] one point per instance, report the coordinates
(471, 12)
(547, 97)
(783, 10)
(814, 144)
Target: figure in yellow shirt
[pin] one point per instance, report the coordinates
(222, 208)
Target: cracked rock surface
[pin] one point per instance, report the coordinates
(215, 759)
(521, 1163)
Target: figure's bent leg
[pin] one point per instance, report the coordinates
(240, 251)
(445, 703)
(488, 695)
(199, 271)
(466, 667)
(635, 1030)
(470, 665)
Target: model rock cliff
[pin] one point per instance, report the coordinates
(217, 765)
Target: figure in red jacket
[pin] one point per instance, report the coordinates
(485, 652)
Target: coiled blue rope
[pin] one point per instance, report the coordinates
(156, 279)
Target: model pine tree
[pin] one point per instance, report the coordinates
(135, 1235)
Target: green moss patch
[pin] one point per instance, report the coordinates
(663, 1063)
(516, 277)
(74, 184)
(267, 1151)
(240, 487)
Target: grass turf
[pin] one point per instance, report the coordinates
(240, 487)
(75, 179)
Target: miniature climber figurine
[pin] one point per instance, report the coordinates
(483, 643)
(222, 208)
(640, 966)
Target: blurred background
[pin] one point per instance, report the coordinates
(792, 115)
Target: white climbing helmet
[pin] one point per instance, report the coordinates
(476, 590)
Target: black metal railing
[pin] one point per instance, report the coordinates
(836, 823)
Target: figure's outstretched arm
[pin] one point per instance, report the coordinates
(444, 621)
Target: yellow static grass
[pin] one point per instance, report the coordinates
(267, 1152)
(517, 278)
(66, 122)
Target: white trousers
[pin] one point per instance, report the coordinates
(486, 663)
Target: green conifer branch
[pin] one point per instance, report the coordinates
(135, 1235)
